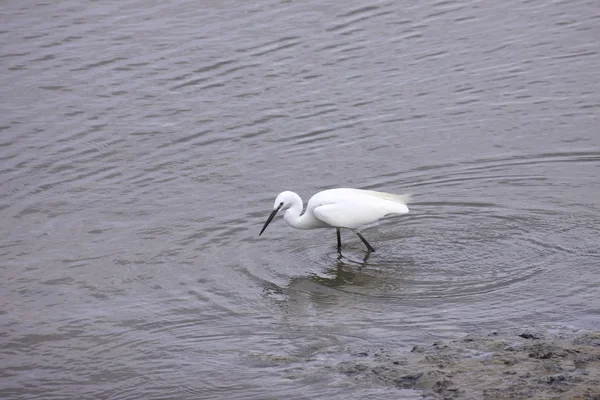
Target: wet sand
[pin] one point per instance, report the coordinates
(533, 363)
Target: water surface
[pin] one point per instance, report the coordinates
(143, 143)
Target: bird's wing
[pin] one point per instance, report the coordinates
(398, 198)
(350, 214)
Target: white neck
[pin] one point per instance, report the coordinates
(295, 220)
(292, 214)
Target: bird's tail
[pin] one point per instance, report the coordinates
(398, 198)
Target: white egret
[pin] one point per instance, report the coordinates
(339, 208)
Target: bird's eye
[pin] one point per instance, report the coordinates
(280, 204)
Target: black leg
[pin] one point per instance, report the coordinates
(339, 239)
(365, 242)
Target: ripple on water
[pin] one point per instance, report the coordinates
(137, 139)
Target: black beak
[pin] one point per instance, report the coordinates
(269, 219)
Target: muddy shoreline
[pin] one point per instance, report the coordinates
(526, 363)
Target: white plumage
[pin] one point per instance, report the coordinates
(339, 208)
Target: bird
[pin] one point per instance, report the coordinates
(339, 208)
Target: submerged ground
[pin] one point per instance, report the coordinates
(526, 363)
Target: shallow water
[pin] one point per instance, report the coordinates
(143, 143)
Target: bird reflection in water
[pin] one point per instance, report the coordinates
(344, 272)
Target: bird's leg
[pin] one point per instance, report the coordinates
(365, 242)
(366, 258)
(339, 239)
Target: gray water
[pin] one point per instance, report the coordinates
(143, 143)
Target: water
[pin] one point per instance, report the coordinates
(143, 144)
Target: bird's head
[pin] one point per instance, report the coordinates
(283, 201)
